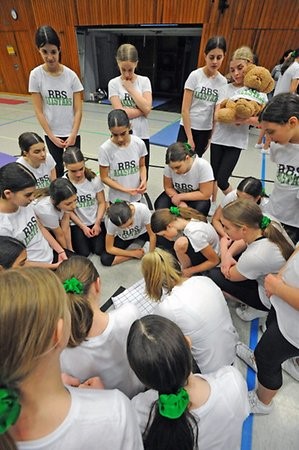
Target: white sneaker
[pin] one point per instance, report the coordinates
(258, 145)
(246, 354)
(256, 406)
(266, 151)
(291, 367)
(247, 313)
(212, 209)
(146, 247)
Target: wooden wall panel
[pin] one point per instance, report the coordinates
(280, 14)
(179, 11)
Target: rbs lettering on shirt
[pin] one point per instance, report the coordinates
(287, 174)
(130, 233)
(84, 201)
(30, 231)
(125, 168)
(128, 102)
(183, 187)
(58, 98)
(43, 182)
(207, 94)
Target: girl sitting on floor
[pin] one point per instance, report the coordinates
(12, 253)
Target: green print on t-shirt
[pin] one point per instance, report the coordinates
(30, 231)
(52, 101)
(128, 102)
(288, 174)
(206, 94)
(125, 172)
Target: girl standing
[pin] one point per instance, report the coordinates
(126, 223)
(196, 305)
(87, 229)
(121, 160)
(132, 93)
(188, 180)
(196, 241)
(280, 121)
(180, 409)
(37, 410)
(200, 96)
(56, 95)
(289, 79)
(36, 158)
(53, 208)
(97, 345)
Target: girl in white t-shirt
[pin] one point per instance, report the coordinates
(289, 78)
(127, 222)
(121, 160)
(201, 93)
(132, 93)
(188, 180)
(53, 207)
(37, 410)
(87, 229)
(18, 219)
(196, 305)
(37, 159)
(183, 410)
(266, 251)
(196, 241)
(13, 253)
(97, 345)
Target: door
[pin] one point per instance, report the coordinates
(12, 76)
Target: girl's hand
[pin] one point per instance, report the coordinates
(61, 256)
(187, 272)
(87, 231)
(226, 263)
(133, 191)
(137, 253)
(70, 140)
(183, 204)
(272, 283)
(58, 142)
(96, 229)
(142, 187)
(92, 383)
(127, 84)
(175, 199)
(191, 143)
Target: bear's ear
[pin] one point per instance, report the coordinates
(249, 67)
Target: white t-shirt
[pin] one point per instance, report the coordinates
(287, 316)
(284, 81)
(87, 203)
(220, 419)
(105, 355)
(47, 214)
(202, 234)
(205, 96)
(142, 217)
(96, 419)
(200, 172)
(227, 134)
(142, 84)
(199, 308)
(284, 200)
(41, 173)
(23, 226)
(58, 97)
(123, 163)
(232, 196)
(260, 258)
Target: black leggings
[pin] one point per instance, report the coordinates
(223, 161)
(163, 201)
(271, 351)
(246, 291)
(200, 138)
(147, 158)
(84, 245)
(57, 153)
(107, 258)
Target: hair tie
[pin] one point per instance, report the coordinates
(9, 408)
(73, 286)
(263, 193)
(187, 147)
(293, 54)
(265, 222)
(173, 406)
(175, 210)
(118, 200)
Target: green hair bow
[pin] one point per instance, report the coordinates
(175, 210)
(73, 286)
(265, 222)
(173, 406)
(9, 408)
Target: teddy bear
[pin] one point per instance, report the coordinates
(249, 100)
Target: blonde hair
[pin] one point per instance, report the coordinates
(160, 270)
(161, 218)
(84, 270)
(32, 300)
(127, 52)
(246, 212)
(244, 53)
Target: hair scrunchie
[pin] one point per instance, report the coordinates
(118, 200)
(173, 406)
(9, 408)
(293, 54)
(187, 147)
(73, 286)
(265, 222)
(175, 210)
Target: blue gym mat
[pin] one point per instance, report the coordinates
(5, 158)
(166, 136)
(156, 102)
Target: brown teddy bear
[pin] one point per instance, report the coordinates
(249, 100)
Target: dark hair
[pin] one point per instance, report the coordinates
(161, 358)
(10, 250)
(280, 108)
(46, 35)
(215, 42)
(251, 186)
(286, 53)
(119, 213)
(178, 152)
(289, 61)
(15, 177)
(161, 218)
(61, 189)
(84, 270)
(73, 155)
(118, 118)
(27, 139)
